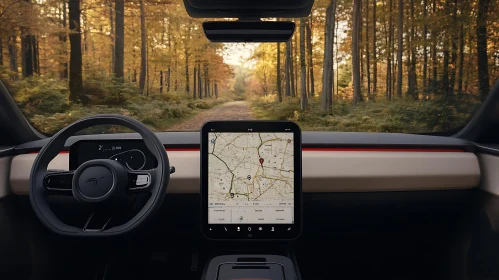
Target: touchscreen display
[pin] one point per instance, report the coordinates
(251, 178)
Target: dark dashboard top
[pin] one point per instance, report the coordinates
(309, 140)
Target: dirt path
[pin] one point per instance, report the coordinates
(236, 110)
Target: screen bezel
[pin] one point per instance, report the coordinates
(229, 231)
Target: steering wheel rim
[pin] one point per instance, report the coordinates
(157, 186)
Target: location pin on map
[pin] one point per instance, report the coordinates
(261, 161)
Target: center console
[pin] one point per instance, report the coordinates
(251, 191)
(256, 267)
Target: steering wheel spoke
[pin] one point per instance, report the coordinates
(58, 182)
(97, 222)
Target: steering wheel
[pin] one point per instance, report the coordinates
(100, 184)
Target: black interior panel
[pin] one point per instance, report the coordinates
(389, 235)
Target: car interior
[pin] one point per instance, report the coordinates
(350, 205)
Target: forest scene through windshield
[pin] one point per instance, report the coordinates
(353, 65)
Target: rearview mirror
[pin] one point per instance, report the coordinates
(246, 31)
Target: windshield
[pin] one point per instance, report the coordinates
(352, 65)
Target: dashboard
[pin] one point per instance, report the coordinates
(383, 161)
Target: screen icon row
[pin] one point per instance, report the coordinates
(250, 229)
(239, 229)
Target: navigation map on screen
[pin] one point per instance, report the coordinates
(250, 178)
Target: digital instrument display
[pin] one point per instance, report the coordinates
(251, 179)
(133, 154)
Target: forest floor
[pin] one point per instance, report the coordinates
(236, 110)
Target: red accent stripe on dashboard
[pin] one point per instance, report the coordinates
(381, 149)
(61, 152)
(182, 149)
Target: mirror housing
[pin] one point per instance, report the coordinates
(248, 31)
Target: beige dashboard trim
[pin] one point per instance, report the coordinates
(323, 172)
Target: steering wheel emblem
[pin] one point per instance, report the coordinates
(94, 181)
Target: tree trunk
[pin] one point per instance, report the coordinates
(454, 38)
(400, 38)
(160, 81)
(27, 50)
(36, 55)
(279, 92)
(194, 85)
(187, 89)
(175, 71)
(175, 63)
(287, 67)
(389, 82)
(112, 35)
(143, 49)
(291, 69)
(205, 69)
(368, 61)
(482, 57)
(447, 37)
(361, 44)
(461, 59)
(356, 29)
(303, 67)
(187, 54)
(169, 70)
(310, 60)
(336, 43)
(12, 46)
(119, 39)
(425, 44)
(216, 90)
(327, 67)
(375, 61)
(294, 85)
(434, 48)
(206, 80)
(469, 64)
(207, 88)
(412, 71)
(63, 39)
(1, 52)
(200, 93)
(445, 71)
(410, 88)
(75, 58)
(393, 79)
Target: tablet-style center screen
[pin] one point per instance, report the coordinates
(251, 178)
